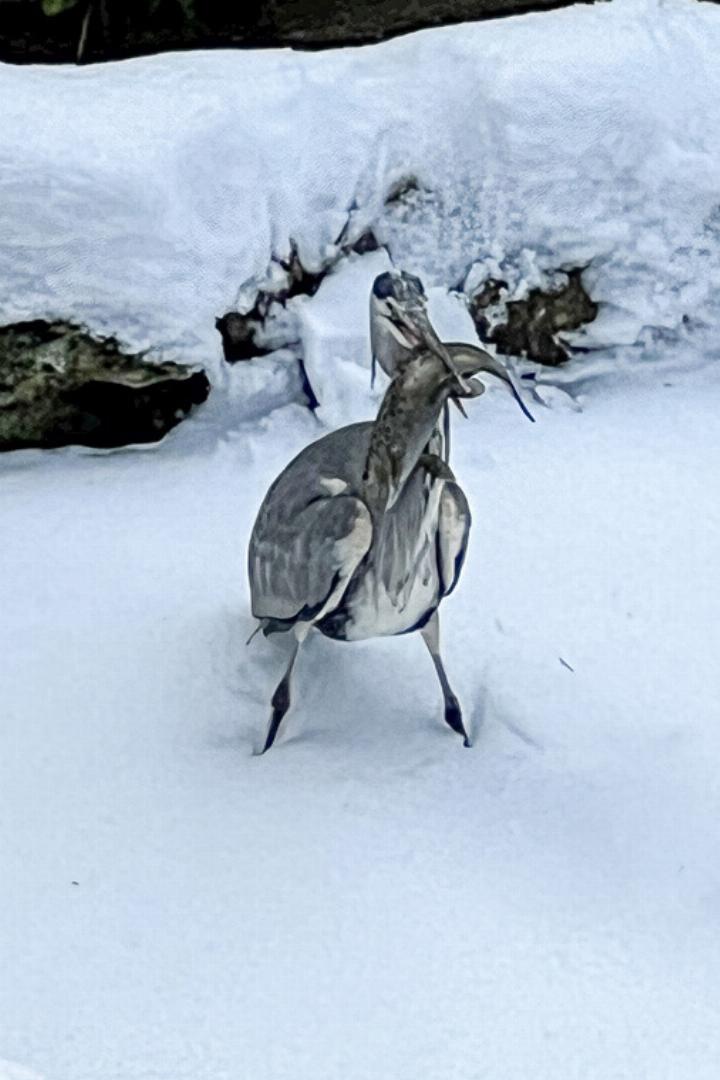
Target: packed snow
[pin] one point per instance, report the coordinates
(370, 900)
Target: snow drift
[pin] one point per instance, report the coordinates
(139, 197)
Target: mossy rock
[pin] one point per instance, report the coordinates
(60, 385)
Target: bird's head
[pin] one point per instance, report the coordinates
(401, 332)
(400, 325)
(398, 306)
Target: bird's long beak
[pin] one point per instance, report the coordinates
(472, 361)
(420, 331)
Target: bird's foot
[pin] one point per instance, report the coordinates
(454, 720)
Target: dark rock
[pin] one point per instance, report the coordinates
(59, 385)
(366, 243)
(531, 327)
(489, 294)
(239, 333)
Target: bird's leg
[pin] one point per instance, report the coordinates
(453, 714)
(280, 701)
(446, 432)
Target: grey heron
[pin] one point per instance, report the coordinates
(399, 326)
(365, 531)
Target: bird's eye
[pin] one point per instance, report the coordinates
(383, 286)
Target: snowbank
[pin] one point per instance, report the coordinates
(140, 196)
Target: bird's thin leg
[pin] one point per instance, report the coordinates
(280, 701)
(446, 431)
(453, 714)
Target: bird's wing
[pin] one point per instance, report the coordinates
(300, 563)
(452, 535)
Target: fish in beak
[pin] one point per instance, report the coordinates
(471, 361)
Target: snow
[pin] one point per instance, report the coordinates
(370, 899)
(333, 327)
(143, 196)
(8, 1071)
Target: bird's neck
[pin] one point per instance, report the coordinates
(390, 354)
(404, 426)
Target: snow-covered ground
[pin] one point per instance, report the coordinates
(369, 901)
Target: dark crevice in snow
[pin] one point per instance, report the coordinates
(269, 325)
(401, 189)
(239, 334)
(264, 329)
(243, 334)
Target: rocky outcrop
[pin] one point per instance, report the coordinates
(60, 385)
(533, 325)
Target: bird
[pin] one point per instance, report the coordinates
(365, 532)
(399, 325)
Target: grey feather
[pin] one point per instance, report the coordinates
(297, 556)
